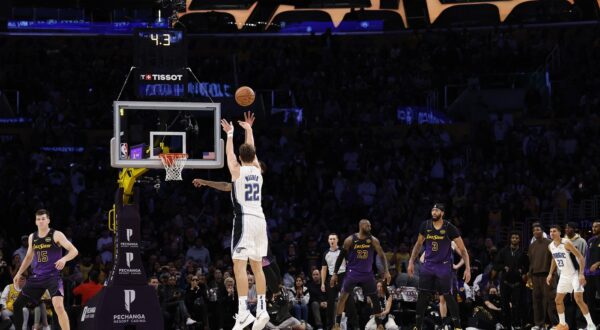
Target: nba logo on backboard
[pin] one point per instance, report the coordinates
(124, 151)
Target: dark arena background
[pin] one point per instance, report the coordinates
(386, 110)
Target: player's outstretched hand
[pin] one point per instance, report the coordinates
(227, 126)
(410, 270)
(249, 117)
(60, 264)
(198, 183)
(244, 125)
(16, 281)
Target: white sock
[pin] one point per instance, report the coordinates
(242, 304)
(261, 304)
(589, 320)
(561, 318)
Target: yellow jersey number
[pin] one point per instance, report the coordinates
(362, 254)
(434, 246)
(42, 256)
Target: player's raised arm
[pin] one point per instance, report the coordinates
(72, 252)
(26, 262)
(232, 163)
(221, 186)
(249, 120)
(379, 250)
(250, 139)
(415, 253)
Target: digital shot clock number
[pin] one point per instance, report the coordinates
(160, 49)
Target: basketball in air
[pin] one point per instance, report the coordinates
(244, 96)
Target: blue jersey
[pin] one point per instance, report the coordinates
(46, 253)
(361, 254)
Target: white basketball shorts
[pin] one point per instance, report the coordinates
(249, 238)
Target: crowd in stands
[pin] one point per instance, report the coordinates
(350, 158)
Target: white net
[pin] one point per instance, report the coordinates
(174, 164)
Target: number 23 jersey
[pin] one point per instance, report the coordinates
(246, 192)
(562, 258)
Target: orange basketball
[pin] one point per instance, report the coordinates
(244, 96)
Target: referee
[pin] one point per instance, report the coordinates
(327, 267)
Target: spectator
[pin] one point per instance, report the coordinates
(199, 254)
(318, 299)
(9, 295)
(88, 289)
(300, 299)
(385, 302)
(539, 266)
(196, 300)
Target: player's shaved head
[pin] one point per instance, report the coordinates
(364, 226)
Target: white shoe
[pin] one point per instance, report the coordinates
(262, 319)
(242, 320)
(591, 327)
(190, 321)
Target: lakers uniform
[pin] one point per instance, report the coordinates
(249, 233)
(359, 268)
(435, 275)
(569, 277)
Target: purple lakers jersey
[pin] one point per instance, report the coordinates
(361, 254)
(45, 254)
(438, 242)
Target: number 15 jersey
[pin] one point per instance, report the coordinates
(246, 192)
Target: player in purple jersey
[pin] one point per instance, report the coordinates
(45, 252)
(359, 251)
(435, 274)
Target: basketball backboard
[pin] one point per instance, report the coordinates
(144, 130)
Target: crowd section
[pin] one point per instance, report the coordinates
(350, 159)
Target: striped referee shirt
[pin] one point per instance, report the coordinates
(329, 259)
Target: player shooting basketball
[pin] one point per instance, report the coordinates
(249, 241)
(270, 267)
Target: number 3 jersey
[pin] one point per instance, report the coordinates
(438, 242)
(246, 192)
(46, 253)
(562, 258)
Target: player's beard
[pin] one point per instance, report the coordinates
(436, 218)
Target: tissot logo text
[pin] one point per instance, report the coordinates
(161, 77)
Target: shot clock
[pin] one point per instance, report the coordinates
(160, 49)
(160, 61)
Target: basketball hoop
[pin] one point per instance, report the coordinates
(174, 164)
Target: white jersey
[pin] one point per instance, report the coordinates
(563, 258)
(246, 192)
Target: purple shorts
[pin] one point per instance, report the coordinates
(436, 278)
(364, 280)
